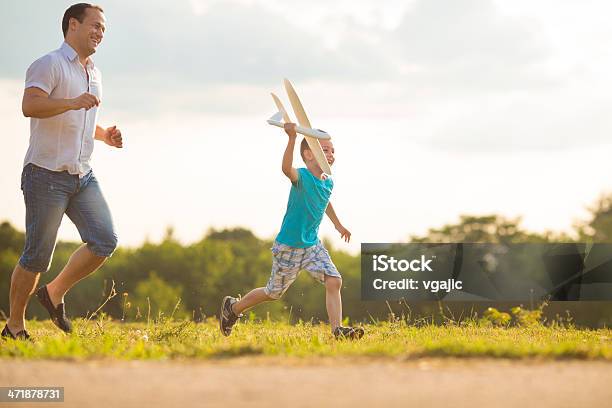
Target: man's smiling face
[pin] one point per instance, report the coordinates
(90, 32)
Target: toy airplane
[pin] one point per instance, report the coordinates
(311, 135)
(275, 120)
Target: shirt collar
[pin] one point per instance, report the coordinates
(71, 54)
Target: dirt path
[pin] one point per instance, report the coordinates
(265, 383)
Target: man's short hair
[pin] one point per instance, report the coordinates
(304, 146)
(77, 11)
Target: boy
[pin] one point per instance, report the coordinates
(297, 245)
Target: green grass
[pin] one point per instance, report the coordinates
(105, 339)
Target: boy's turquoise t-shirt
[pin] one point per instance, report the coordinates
(307, 203)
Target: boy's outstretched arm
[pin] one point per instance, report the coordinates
(288, 168)
(344, 233)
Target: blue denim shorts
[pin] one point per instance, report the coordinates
(48, 196)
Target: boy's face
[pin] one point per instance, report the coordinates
(328, 149)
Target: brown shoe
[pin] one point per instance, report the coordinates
(21, 335)
(57, 313)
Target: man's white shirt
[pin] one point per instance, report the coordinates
(64, 141)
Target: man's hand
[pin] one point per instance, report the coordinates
(85, 101)
(290, 130)
(344, 233)
(112, 137)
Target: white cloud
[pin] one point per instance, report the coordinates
(566, 119)
(446, 107)
(469, 45)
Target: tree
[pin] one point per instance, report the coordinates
(165, 299)
(599, 227)
(487, 229)
(10, 238)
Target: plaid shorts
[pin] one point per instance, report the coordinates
(287, 262)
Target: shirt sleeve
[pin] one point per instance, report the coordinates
(42, 74)
(298, 182)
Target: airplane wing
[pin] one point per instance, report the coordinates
(277, 120)
(280, 107)
(313, 143)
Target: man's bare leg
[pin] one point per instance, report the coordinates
(23, 284)
(81, 264)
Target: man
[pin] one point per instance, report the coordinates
(62, 94)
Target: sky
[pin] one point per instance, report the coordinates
(437, 108)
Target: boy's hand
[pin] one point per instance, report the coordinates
(290, 130)
(344, 233)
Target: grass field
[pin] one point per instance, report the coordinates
(106, 339)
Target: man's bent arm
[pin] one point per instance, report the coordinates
(100, 133)
(36, 103)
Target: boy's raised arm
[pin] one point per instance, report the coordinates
(344, 233)
(288, 168)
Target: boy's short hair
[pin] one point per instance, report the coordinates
(304, 146)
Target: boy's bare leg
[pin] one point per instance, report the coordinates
(253, 298)
(23, 283)
(333, 300)
(81, 263)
